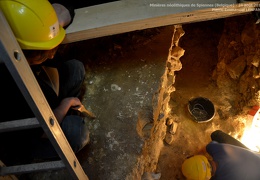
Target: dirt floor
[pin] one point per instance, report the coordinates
(193, 80)
(201, 44)
(123, 74)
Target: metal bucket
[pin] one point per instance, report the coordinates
(201, 109)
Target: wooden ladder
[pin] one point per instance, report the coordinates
(16, 63)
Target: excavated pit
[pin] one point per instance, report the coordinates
(221, 64)
(147, 78)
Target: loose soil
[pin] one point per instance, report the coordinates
(123, 75)
(201, 42)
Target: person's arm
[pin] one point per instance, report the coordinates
(61, 111)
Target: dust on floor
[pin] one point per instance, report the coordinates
(123, 74)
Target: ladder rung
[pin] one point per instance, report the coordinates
(35, 167)
(20, 124)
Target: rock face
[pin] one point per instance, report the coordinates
(237, 76)
(161, 110)
(238, 62)
(236, 67)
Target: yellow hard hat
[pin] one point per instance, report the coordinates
(34, 23)
(197, 168)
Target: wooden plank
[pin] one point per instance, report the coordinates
(130, 15)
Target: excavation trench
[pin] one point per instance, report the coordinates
(147, 78)
(219, 63)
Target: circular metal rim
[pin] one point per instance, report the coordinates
(193, 117)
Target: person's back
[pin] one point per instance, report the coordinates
(39, 33)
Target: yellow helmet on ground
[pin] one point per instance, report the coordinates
(34, 23)
(197, 168)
